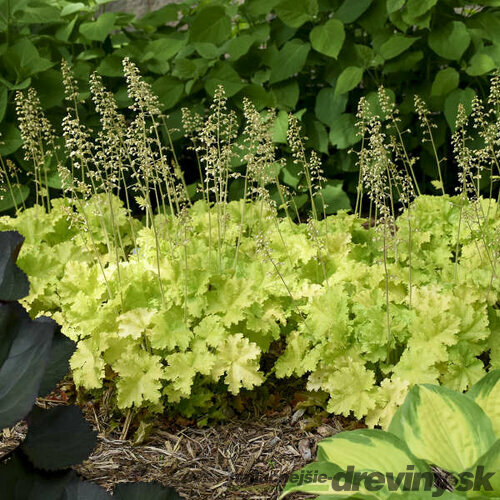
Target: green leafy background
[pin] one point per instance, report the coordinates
(316, 56)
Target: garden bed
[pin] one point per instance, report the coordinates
(242, 459)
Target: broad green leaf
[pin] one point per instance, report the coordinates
(445, 81)
(450, 41)
(417, 8)
(169, 90)
(49, 88)
(164, 48)
(348, 79)
(3, 101)
(210, 25)
(289, 60)
(71, 8)
(486, 393)
(328, 38)
(406, 62)
(480, 64)
(99, 29)
(343, 132)
(349, 11)
(329, 106)
(258, 8)
(10, 139)
(396, 45)
(41, 14)
(462, 96)
(334, 196)
(443, 427)
(374, 102)
(294, 13)
(207, 50)
(13, 197)
(111, 65)
(156, 18)
(287, 94)
(224, 74)
(394, 5)
(239, 46)
(281, 128)
(316, 133)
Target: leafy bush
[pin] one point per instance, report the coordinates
(435, 426)
(187, 302)
(34, 356)
(314, 57)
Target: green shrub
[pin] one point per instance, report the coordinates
(187, 302)
(314, 57)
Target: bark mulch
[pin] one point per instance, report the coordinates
(240, 459)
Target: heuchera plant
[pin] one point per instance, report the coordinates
(185, 302)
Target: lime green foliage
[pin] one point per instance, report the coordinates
(324, 297)
(283, 54)
(434, 426)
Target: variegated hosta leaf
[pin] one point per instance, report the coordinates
(370, 450)
(443, 427)
(488, 466)
(316, 478)
(486, 393)
(355, 454)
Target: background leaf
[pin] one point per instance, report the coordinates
(328, 38)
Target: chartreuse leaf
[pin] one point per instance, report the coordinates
(58, 438)
(443, 427)
(486, 393)
(445, 81)
(294, 13)
(450, 41)
(14, 284)
(139, 377)
(328, 38)
(488, 465)
(238, 358)
(348, 79)
(210, 25)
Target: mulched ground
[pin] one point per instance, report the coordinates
(241, 459)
